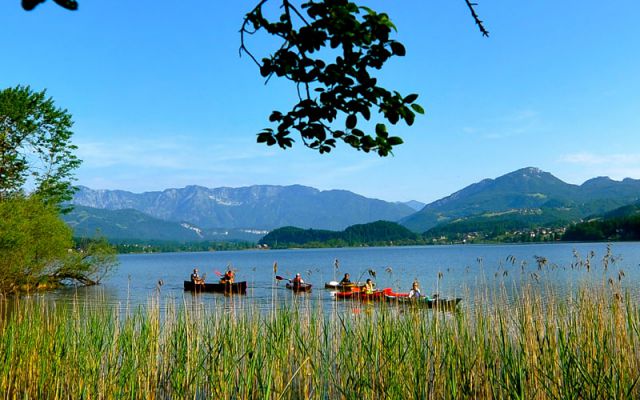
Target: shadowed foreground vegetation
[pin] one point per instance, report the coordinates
(586, 346)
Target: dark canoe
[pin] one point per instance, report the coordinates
(425, 302)
(299, 287)
(229, 288)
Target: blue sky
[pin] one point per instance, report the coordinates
(161, 99)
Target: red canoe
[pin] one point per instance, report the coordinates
(360, 295)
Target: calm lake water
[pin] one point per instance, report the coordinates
(452, 271)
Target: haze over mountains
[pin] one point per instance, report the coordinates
(525, 196)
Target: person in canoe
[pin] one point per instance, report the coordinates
(297, 280)
(196, 278)
(369, 287)
(346, 280)
(415, 291)
(228, 277)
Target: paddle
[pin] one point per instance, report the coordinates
(218, 273)
(278, 277)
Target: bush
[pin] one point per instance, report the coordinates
(38, 251)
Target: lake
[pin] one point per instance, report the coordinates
(452, 271)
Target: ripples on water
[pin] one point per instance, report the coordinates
(475, 273)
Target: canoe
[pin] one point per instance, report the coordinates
(362, 296)
(229, 288)
(425, 302)
(299, 287)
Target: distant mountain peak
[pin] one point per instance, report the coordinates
(599, 180)
(531, 171)
(528, 172)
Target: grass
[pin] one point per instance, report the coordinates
(539, 347)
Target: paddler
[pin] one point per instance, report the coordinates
(195, 278)
(369, 287)
(228, 277)
(297, 280)
(415, 290)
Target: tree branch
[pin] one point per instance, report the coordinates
(476, 18)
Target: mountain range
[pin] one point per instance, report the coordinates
(261, 207)
(528, 192)
(523, 198)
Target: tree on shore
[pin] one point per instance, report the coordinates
(36, 153)
(38, 250)
(37, 161)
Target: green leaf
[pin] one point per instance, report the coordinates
(384, 19)
(398, 49)
(393, 117)
(352, 120)
(395, 140)
(381, 130)
(368, 10)
(410, 98)
(266, 136)
(417, 108)
(275, 116)
(366, 113)
(265, 68)
(409, 117)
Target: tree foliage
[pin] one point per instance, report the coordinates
(377, 233)
(89, 263)
(35, 146)
(330, 50)
(68, 4)
(626, 228)
(37, 162)
(32, 237)
(37, 248)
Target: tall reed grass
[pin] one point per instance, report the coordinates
(539, 347)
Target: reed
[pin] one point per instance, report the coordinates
(537, 347)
